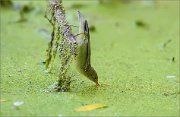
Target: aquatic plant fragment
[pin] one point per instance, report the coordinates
(62, 41)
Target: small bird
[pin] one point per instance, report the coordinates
(83, 58)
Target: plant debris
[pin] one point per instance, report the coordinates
(6, 3)
(3, 100)
(92, 28)
(173, 59)
(166, 43)
(141, 24)
(170, 76)
(62, 42)
(18, 103)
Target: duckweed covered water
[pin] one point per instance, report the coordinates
(129, 51)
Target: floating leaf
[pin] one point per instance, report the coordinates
(90, 107)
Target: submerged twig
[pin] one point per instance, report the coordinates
(166, 43)
(62, 39)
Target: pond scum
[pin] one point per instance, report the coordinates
(62, 42)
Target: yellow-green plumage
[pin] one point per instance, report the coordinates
(82, 60)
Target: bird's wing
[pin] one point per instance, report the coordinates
(83, 28)
(88, 56)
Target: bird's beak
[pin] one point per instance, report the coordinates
(97, 84)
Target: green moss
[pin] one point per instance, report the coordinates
(131, 62)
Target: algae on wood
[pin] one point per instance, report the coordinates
(62, 39)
